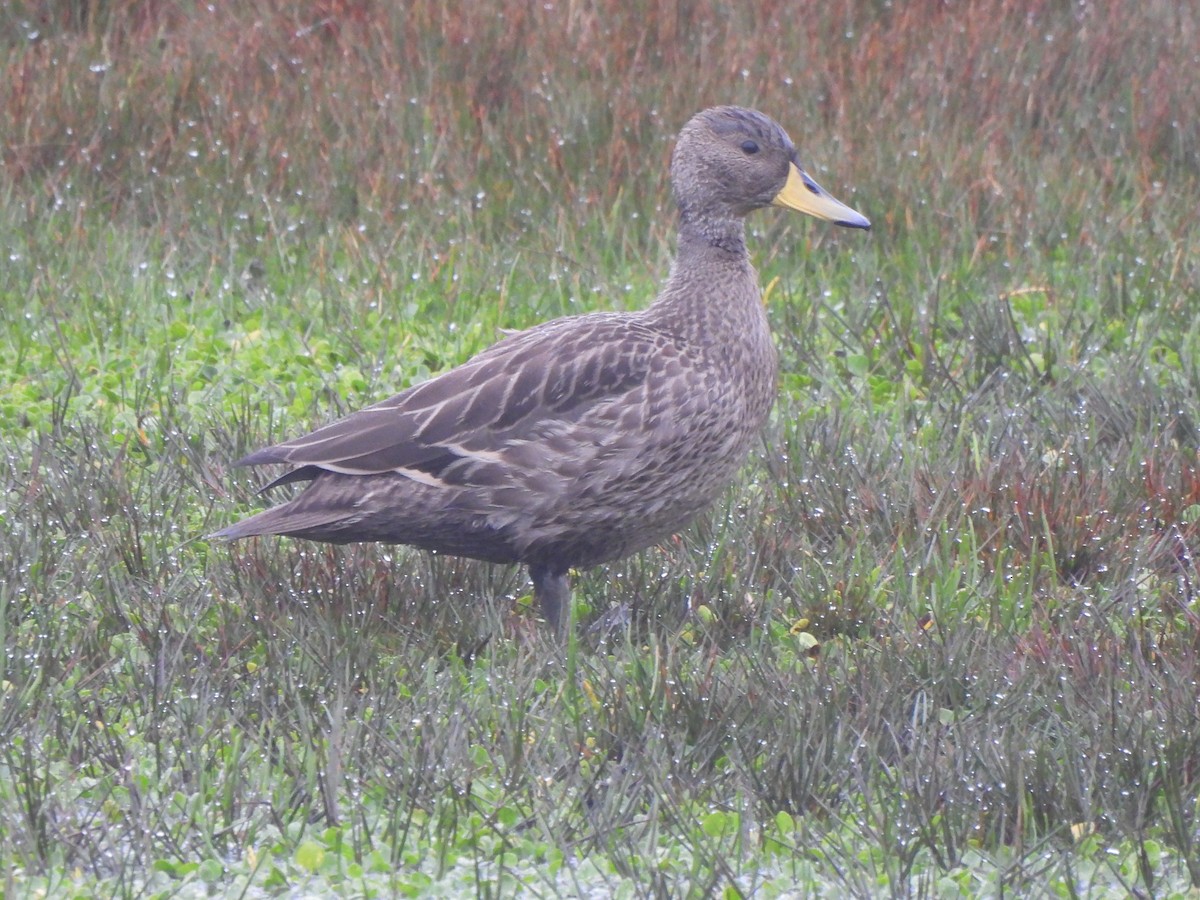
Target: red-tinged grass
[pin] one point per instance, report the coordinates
(391, 110)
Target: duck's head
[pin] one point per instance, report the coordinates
(729, 161)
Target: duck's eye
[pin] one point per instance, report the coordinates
(749, 147)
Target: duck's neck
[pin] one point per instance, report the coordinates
(712, 302)
(712, 234)
(712, 290)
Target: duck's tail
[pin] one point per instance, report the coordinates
(286, 519)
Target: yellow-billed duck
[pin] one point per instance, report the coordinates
(589, 437)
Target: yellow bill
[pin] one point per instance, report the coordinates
(804, 195)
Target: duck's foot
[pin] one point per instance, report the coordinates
(552, 591)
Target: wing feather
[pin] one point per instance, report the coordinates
(468, 420)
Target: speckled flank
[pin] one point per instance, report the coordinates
(583, 439)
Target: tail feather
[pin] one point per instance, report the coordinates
(285, 519)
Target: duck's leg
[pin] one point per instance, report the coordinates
(552, 591)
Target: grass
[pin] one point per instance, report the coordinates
(939, 640)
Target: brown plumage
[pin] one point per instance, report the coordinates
(587, 438)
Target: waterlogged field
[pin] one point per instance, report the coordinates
(941, 639)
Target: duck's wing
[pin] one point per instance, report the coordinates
(529, 387)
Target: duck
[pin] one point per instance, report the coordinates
(587, 438)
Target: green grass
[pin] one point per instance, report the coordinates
(939, 640)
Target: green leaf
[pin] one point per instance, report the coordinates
(507, 816)
(211, 871)
(784, 822)
(715, 824)
(310, 855)
(857, 364)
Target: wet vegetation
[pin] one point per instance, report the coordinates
(942, 639)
